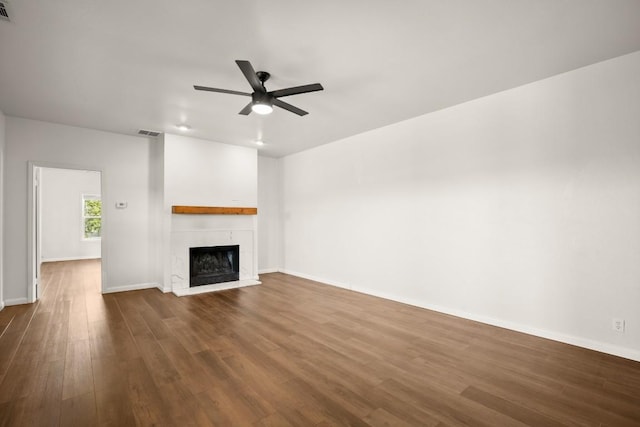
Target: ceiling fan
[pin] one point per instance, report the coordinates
(262, 102)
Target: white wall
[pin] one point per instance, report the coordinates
(520, 209)
(124, 163)
(2, 150)
(269, 215)
(205, 173)
(61, 206)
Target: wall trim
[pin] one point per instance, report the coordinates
(627, 353)
(133, 287)
(164, 289)
(75, 258)
(16, 301)
(1, 305)
(269, 270)
(322, 280)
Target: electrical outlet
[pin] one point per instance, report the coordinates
(618, 325)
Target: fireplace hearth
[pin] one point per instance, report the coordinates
(214, 264)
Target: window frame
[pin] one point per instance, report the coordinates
(84, 217)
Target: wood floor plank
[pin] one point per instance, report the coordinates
(79, 410)
(78, 325)
(43, 403)
(536, 396)
(381, 417)
(20, 380)
(325, 405)
(183, 406)
(147, 402)
(114, 408)
(290, 352)
(274, 420)
(221, 410)
(341, 385)
(192, 368)
(156, 360)
(78, 373)
(20, 316)
(509, 408)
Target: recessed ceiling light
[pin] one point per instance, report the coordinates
(259, 142)
(183, 127)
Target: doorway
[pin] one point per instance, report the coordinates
(67, 220)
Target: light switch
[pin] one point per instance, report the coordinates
(121, 205)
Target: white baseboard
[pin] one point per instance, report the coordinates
(134, 287)
(268, 270)
(1, 305)
(320, 279)
(625, 352)
(75, 258)
(16, 301)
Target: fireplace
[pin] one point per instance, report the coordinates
(214, 264)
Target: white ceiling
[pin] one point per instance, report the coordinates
(121, 66)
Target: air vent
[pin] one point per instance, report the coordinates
(4, 11)
(151, 133)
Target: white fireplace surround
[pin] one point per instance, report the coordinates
(218, 176)
(182, 240)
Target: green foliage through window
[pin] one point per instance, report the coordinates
(92, 216)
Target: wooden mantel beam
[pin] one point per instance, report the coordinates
(213, 210)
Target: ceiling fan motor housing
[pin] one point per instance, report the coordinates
(261, 98)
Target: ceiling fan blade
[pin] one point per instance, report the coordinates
(289, 107)
(246, 110)
(213, 89)
(250, 75)
(296, 90)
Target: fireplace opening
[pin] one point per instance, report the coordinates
(214, 264)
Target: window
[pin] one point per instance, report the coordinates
(91, 216)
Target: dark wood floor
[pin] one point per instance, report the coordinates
(290, 352)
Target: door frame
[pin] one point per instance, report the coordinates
(33, 224)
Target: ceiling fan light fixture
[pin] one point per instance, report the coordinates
(261, 103)
(262, 108)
